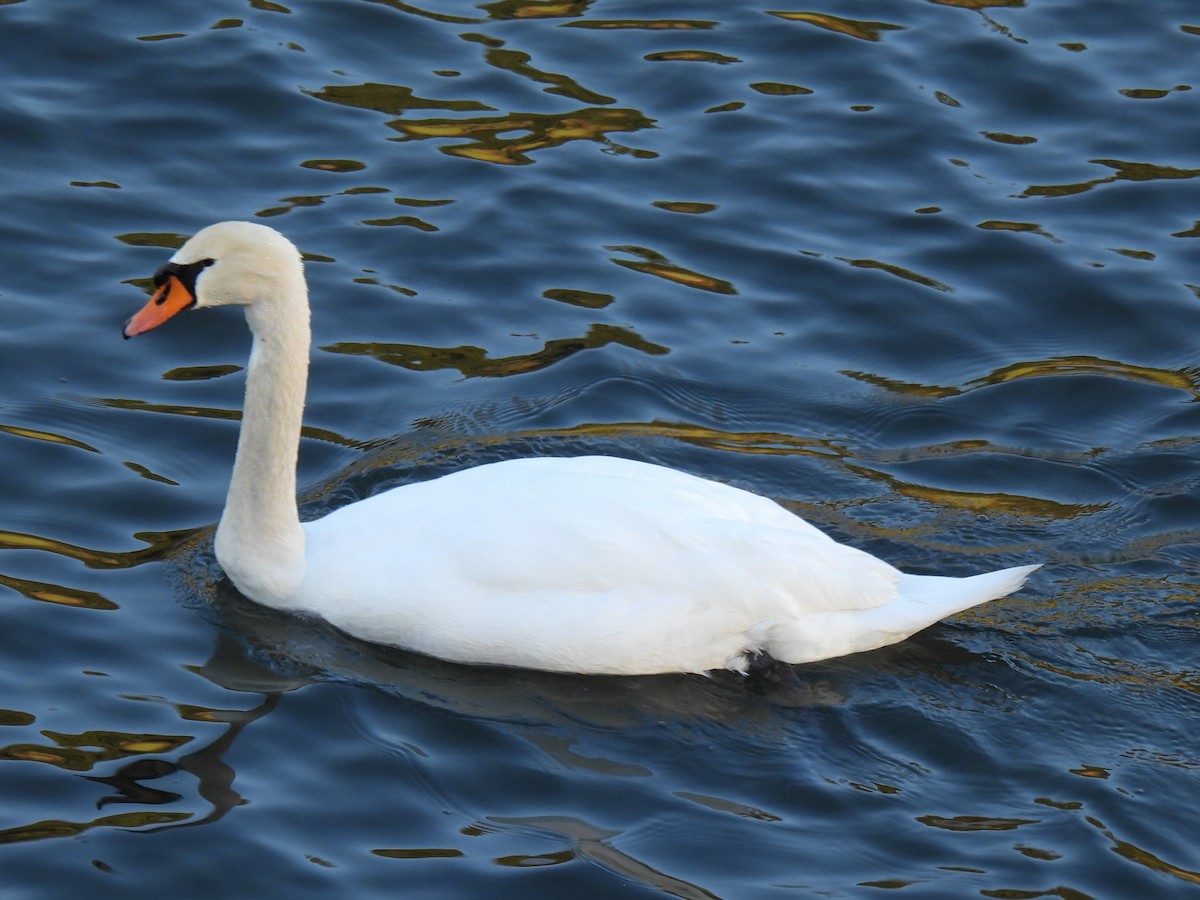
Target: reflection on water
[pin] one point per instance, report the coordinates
(474, 361)
(921, 272)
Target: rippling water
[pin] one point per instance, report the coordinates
(925, 272)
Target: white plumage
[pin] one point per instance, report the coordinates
(588, 564)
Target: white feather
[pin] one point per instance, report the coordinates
(590, 565)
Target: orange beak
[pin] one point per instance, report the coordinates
(171, 297)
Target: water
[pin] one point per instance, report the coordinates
(923, 272)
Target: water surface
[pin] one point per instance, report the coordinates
(924, 272)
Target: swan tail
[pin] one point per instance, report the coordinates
(921, 601)
(941, 596)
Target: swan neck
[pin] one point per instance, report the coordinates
(259, 542)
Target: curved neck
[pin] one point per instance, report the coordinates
(259, 541)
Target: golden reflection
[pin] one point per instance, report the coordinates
(691, 56)
(1001, 137)
(209, 412)
(517, 62)
(1187, 380)
(649, 24)
(56, 828)
(418, 853)
(975, 823)
(167, 240)
(538, 131)
(141, 470)
(779, 89)
(899, 272)
(407, 221)
(778, 444)
(14, 717)
(160, 543)
(1002, 504)
(56, 593)
(1027, 227)
(684, 206)
(50, 436)
(586, 299)
(867, 31)
(334, 165)
(536, 9)
(401, 6)
(1152, 93)
(143, 761)
(1136, 854)
(473, 362)
(68, 751)
(393, 99)
(653, 263)
(1125, 171)
(1134, 254)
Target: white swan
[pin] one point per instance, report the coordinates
(588, 565)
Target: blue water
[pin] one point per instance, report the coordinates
(924, 272)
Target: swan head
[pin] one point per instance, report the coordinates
(227, 264)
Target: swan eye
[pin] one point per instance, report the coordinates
(185, 273)
(174, 291)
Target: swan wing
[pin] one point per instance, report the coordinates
(593, 562)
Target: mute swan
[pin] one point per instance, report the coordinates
(586, 565)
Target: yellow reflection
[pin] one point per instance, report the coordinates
(994, 503)
(691, 56)
(167, 240)
(409, 8)
(1001, 137)
(38, 435)
(474, 362)
(899, 272)
(407, 221)
(974, 823)
(779, 89)
(536, 9)
(684, 206)
(1029, 227)
(57, 593)
(159, 544)
(68, 751)
(537, 132)
(418, 853)
(393, 99)
(586, 299)
(53, 828)
(653, 263)
(1125, 171)
(208, 412)
(1152, 93)
(648, 24)
(518, 63)
(1187, 380)
(867, 31)
(1182, 380)
(1136, 854)
(14, 717)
